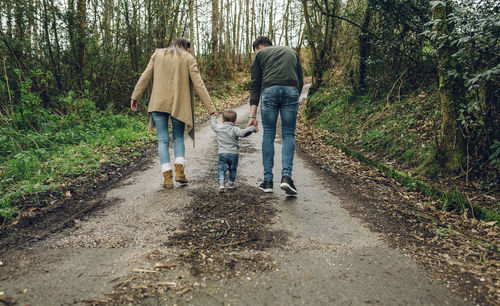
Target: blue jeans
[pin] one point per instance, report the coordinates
(161, 123)
(227, 162)
(283, 100)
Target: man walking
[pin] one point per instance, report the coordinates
(277, 82)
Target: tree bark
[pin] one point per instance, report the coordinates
(451, 146)
(247, 21)
(215, 27)
(191, 26)
(364, 46)
(81, 7)
(271, 28)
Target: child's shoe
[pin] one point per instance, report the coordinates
(222, 189)
(230, 185)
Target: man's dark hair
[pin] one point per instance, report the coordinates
(229, 115)
(262, 41)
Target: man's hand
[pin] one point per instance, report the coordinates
(253, 121)
(133, 105)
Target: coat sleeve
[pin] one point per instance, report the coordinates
(199, 86)
(256, 81)
(245, 132)
(144, 80)
(299, 74)
(213, 123)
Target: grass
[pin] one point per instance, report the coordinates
(451, 200)
(380, 133)
(389, 130)
(43, 151)
(34, 162)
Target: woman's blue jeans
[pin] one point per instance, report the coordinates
(282, 100)
(161, 123)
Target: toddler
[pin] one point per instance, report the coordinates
(227, 139)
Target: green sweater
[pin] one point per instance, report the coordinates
(274, 66)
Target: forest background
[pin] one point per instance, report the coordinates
(410, 85)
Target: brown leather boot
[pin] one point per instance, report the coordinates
(168, 182)
(179, 174)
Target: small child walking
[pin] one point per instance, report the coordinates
(227, 139)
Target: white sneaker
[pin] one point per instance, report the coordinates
(230, 185)
(222, 189)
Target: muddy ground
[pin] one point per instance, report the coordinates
(142, 244)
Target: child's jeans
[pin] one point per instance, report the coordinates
(227, 162)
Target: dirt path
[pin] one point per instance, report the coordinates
(191, 245)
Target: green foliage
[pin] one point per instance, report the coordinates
(391, 131)
(451, 200)
(42, 148)
(395, 53)
(472, 37)
(454, 200)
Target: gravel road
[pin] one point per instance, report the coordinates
(328, 257)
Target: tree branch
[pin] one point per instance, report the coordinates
(343, 18)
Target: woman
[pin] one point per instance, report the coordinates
(175, 75)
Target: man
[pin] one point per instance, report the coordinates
(277, 82)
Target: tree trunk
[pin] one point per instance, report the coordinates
(8, 7)
(247, 21)
(19, 31)
(107, 24)
(253, 24)
(451, 146)
(364, 47)
(52, 59)
(197, 30)
(287, 17)
(227, 48)
(81, 7)
(316, 74)
(191, 26)
(271, 28)
(238, 34)
(215, 27)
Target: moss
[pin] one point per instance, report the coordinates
(399, 130)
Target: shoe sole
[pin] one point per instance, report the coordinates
(288, 189)
(267, 190)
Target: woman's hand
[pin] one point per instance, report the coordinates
(133, 105)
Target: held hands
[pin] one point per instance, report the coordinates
(133, 105)
(253, 122)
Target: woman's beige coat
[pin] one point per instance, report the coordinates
(175, 76)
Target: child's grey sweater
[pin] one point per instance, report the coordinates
(228, 134)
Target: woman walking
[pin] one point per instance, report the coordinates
(175, 76)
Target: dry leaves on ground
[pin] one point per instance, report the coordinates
(461, 251)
